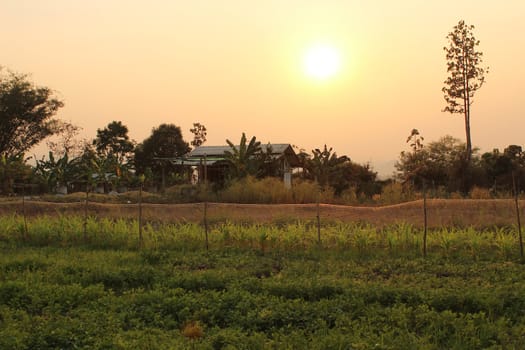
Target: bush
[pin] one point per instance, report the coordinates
(394, 193)
(271, 190)
(480, 193)
(251, 190)
(188, 194)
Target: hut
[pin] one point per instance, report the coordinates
(217, 165)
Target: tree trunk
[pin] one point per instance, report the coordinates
(466, 105)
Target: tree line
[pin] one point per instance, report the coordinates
(439, 165)
(112, 159)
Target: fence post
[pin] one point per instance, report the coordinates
(142, 178)
(86, 204)
(516, 202)
(206, 201)
(26, 232)
(318, 221)
(318, 213)
(425, 219)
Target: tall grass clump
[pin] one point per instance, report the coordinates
(271, 190)
(250, 190)
(401, 239)
(480, 193)
(305, 192)
(394, 193)
(506, 242)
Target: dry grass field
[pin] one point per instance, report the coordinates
(441, 212)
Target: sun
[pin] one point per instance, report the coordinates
(321, 62)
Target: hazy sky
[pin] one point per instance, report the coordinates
(236, 65)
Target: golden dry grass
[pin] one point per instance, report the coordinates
(441, 212)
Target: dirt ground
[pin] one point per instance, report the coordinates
(441, 212)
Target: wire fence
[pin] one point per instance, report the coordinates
(423, 214)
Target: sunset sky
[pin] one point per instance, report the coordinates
(238, 66)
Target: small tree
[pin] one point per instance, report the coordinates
(165, 141)
(466, 75)
(113, 142)
(416, 173)
(65, 141)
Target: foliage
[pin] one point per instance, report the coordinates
(480, 193)
(394, 193)
(340, 173)
(13, 170)
(65, 141)
(242, 157)
(57, 172)
(504, 169)
(466, 74)
(199, 134)
(363, 289)
(324, 165)
(113, 143)
(271, 190)
(440, 163)
(267, 164)
(26, 112)
(166, 142)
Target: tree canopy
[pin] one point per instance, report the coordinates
(165, 141)
(26, 113)
(340, 173)
(199, 134)
(502, 169)
(441, 164)
(113, 142)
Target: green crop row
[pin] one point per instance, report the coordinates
(360, 240)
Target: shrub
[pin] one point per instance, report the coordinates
(393, 193)
(251, 190)
(480, 193)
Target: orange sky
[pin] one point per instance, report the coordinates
(236, 65)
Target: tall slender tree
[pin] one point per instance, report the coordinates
(466, 75)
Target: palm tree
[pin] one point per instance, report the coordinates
(242, 157)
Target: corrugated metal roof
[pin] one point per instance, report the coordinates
(210, 151)
(193, 162)
(215, 154)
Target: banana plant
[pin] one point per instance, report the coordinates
(242, 157)
(57, 172)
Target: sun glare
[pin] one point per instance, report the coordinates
(322, 62)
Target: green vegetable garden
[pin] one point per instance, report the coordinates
(70, 284)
